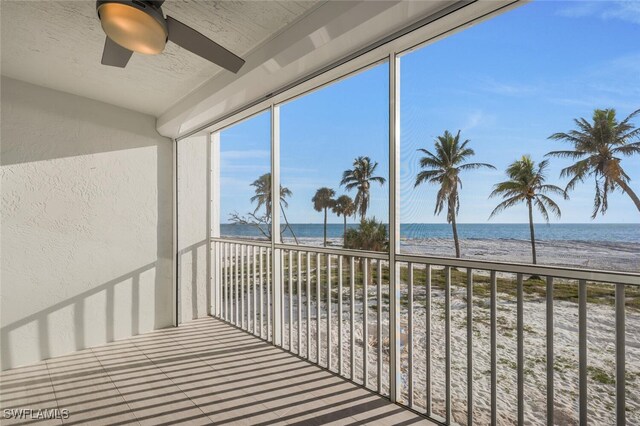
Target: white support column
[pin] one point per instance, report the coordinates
(176, 257)
(276, 258)
(214, 224)
(394, 229)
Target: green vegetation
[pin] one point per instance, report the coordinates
(601, 376)
(371, 236)
(534, 287)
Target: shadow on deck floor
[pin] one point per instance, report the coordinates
(204, 372)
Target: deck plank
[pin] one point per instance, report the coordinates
(203, 372)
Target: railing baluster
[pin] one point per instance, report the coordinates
(620, 356)
(247, 299)
(248, 281)
(235, 279)
(550, 393)
(308, 299)
(410, 334)
(239, 290)
(428, 337)
(224, 267)
(329, 313)
(520, 363)
(352, 316)
(261, 293)
(494, 349)
(248, 284)
(249, 291)
(379, 332)
(365, 322)
(447, 343)
(213, 276)
(340, 364)
(283, 263)
(230, 283)
(469, 346)
(299, 287)
(255, 290)
(290, 287)
(318, 345)
(242, 292)
(269, 292)
(219, 279)
(582, 349)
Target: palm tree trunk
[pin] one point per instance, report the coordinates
(629, 192)
(454, 226)
(533, 235)
(344, 234)
(325, 226)
(284, 216)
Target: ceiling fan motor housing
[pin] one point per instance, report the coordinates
(138, 25)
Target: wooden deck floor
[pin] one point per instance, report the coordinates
(204, 372)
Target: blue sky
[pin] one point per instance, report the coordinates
(507, 84)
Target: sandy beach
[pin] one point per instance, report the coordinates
(600, 335)
(616, 256)
(601, 356)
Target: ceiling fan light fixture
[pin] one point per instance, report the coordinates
(133, 26)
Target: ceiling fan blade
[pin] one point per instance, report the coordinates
(115, 55)
(192, 40)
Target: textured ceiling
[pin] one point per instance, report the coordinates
(58, 44)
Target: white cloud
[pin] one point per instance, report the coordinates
(623, 10)
(580, 9)
(241, 155)
(476, 119)
(509, 89)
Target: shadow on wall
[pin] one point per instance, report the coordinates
(38, 323)
(87, 195)
(79, 307)
(195, 290)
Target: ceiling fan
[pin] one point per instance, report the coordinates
(140, 26)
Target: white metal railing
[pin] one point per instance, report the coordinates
(334, 311)
(244, 286)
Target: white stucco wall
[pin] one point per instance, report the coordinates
(193, 213)
(86, 232)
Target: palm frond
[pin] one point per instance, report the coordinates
(549, 204)
(508, 203)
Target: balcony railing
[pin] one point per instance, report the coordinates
(472, 333)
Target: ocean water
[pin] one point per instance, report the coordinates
(615, 233)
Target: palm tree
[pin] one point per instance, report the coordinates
(323, 200)
(345, 207)
(443, 168)
(370, 236)
(262, 196)
(597, 147)
(360, 177)
(526, 184)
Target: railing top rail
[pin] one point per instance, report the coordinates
(616, 277)
(247, 242)
(629, 278)
(336, 251)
